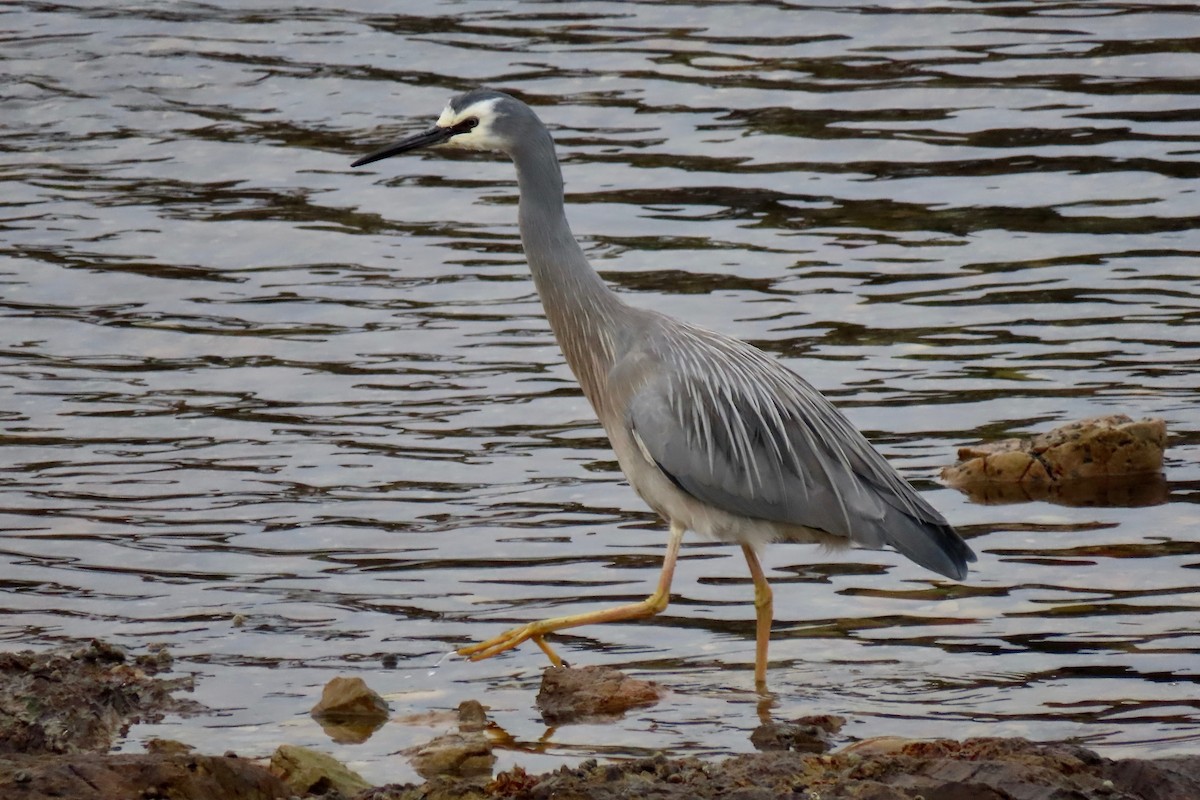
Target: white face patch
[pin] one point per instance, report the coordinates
(447, 118)
(482, 136)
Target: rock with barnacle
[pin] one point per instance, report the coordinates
(1111, 460)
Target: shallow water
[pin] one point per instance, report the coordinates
(239, 378)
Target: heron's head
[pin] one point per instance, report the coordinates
(478, 120)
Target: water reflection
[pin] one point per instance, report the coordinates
(239, 379)
(1131, 492)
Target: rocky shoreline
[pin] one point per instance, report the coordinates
(60, 712)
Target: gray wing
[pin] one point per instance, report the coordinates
(735, 429)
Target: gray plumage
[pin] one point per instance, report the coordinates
(715, 435)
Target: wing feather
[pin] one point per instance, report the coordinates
(735, 429)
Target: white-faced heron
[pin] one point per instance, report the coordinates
(715, 435)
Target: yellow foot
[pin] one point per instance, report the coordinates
(652, 605)
(507, 641)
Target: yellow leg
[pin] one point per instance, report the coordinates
(652, 605)
(764, 610)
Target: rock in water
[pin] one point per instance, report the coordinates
(466, 753)
(1110, 460)
(349, 711)
(588, 694)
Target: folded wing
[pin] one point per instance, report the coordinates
(733, 428)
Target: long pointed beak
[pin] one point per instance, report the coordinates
(435, 135)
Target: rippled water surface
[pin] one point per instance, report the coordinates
(239, 378)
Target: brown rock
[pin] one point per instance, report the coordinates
(308, 771)
(882, 769)
(471, 716)
(349, 697)
(98, 777)
(1100, 461)
(349, 711)
(977, 769)
(464, 754)
(588, 694)
(167, 747)
(439, 788)
(78, 700)
(803, 735)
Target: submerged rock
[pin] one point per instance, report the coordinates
(1111, 460)
(589, 694)
(466, 753)
(804, 735)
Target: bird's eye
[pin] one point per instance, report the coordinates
(468, 124)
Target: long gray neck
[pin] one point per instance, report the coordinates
(583, 312)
